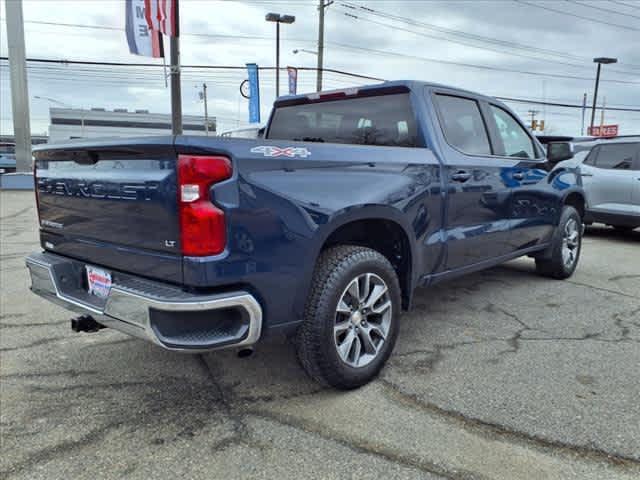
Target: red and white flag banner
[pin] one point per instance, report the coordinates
(162, 16)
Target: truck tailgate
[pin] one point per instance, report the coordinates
(112, 203)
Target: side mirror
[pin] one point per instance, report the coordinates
(559, 151)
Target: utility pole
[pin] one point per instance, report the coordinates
(584, 108)
(206, 112)
(176, 94)
(277, 59)
(604, 101)
(19, 91)
(321, 6)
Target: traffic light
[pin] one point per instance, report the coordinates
(541, 125)
(534, 124)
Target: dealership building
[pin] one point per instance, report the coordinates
(74, 123)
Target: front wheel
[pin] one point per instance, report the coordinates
(561, 260)
(351, 319)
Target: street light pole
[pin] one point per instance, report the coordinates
(599, 61)
(278, 19)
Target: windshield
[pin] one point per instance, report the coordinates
(377, 120)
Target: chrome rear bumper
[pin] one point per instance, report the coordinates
(163, 314)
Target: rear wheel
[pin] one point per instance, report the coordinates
(562, 258)
(351, 319)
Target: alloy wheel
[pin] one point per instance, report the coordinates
(363, 319)
(570, 243)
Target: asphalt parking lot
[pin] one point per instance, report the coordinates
(500, 374)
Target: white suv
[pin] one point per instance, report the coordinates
(611, 178)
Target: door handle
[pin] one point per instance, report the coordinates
(518, 176)
(586, 174)
(461, 176)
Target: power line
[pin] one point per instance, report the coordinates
(355, 75)
(460, 42)
(543, 7)
(564, 105)
(203, 67)
(479, 66)
(608, 10)
(625, 4)
(189, 34)
(378, 52)
(467, 35)
(230, 81)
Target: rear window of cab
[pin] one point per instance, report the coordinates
(384, 120)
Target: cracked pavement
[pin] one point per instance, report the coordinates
(501, 375)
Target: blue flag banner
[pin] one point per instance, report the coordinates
(254, 93)
(293, 80)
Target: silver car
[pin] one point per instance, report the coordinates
(610, 171)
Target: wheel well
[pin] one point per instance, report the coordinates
(384, 236)
(576, 200)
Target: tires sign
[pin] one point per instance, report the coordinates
(603, 131)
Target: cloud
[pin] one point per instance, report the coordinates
(508, 22)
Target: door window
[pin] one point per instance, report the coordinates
(516, 141)
(617, 156)
(462, 125)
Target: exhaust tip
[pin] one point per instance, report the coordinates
(245, 352)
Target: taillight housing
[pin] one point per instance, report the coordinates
(202, 225)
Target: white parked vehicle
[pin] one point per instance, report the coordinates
(610, 172)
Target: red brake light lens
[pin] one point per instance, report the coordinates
(202, 225)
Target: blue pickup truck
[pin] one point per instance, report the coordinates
(321, 230)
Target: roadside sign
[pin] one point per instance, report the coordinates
(603, 131)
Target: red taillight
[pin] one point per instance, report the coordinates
(202, 226)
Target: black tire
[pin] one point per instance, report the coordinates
(552, 263)
(317, 343)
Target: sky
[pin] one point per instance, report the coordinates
(507, 48)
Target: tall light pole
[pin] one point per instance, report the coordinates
(599, 61)
(278, 19)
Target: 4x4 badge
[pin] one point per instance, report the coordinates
(271, 151)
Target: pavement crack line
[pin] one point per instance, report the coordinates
(361, 446)
(495, 431)
(623, 277)
(35, 324)
(602, 289)
(61, 373)
(63, 448)
(241, 433)
(37, 343)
